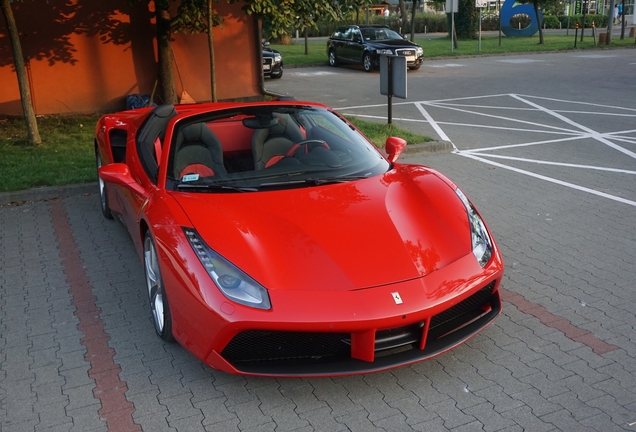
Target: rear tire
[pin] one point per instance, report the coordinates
(103, 193)
(161, 317)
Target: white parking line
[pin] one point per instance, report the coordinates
(435, 126)
(563, 130)
(550, 179)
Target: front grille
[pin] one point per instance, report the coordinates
(268, 61)
(405, 52)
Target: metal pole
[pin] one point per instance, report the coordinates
(452, 24)
(499, 14)
(479, 29)
(390, 95)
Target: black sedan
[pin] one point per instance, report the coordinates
(272, 62)
(364, 45)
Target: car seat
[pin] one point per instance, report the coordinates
(270, 145)
(198, 151)
(153, 129)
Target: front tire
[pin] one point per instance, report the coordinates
(367, 62)
(333, 60)
(415, 67)
(103, 193)
(161, 317)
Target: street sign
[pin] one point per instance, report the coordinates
(392, 80)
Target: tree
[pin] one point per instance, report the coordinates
(165, 54)
(283, 15)
(356, 6)
(199, 16)
(23, 83)
(403, 15)
(544, 5)
(466, 19)
(413, 11)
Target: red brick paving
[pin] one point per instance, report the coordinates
(557, 322)
(116, 410)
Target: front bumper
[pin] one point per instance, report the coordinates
(271, 68)
(345, 333)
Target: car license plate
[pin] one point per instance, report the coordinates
(266, 67)
(410, 58)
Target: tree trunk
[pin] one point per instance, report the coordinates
(23, 82)
(610, 23)
(211, 49)
(403, 15)
(164, 54)
(623, 21)
(414, 8)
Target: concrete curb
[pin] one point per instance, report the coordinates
(428, 148)
(46, 193)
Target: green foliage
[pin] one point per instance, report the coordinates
(192, 17)
(466, 20)
(490, 21)
(282, 16)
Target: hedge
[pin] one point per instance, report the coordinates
(437, 23)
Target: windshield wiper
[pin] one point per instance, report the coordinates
(339, 179)
(214, 188)
(314, 181)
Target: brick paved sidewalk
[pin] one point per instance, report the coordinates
(78, 349)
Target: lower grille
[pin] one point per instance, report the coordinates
(315, 353)
(264, 345)
(462, 313)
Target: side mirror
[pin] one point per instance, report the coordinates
(119, 174)
(394, 147)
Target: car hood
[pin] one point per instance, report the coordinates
(392, 43)
(398, 226)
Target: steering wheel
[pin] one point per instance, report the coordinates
(305, 146)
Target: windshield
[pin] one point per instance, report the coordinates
(268, 147)
(373, 34)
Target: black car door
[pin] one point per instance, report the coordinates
(355, 47)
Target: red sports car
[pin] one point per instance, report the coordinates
(278, 241)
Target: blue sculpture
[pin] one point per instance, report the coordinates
(510, 9)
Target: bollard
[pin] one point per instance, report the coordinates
(576, 34)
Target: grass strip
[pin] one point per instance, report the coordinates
(294, 54)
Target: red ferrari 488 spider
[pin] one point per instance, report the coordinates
(278, 241)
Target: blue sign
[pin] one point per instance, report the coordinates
(510, 9)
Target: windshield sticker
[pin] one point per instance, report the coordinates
(190, 177)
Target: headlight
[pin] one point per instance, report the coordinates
(419, 51)
(384, 51)
(482, 245)
(229, 279)
(277, 58)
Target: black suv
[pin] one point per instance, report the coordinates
(272, 62)
(364, 45)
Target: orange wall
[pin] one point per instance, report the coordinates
(86, 56)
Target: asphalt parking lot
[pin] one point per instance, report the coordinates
(550, 164)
